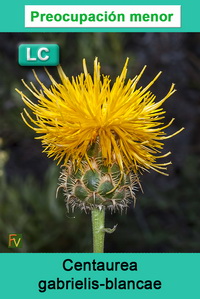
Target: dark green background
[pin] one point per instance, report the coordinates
(166, 216)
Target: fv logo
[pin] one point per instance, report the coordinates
(15, 241)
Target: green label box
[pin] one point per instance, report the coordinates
(38, 54)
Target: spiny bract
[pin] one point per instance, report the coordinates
(97, 187)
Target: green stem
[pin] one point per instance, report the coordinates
(98, 222)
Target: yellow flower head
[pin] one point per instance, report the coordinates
(125, 120)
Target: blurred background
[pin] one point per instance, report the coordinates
(166, 217)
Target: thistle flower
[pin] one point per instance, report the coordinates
(104, 133)
(125, 122)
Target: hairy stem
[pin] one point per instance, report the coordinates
(98, 222)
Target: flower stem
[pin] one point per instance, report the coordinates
(98, 221)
